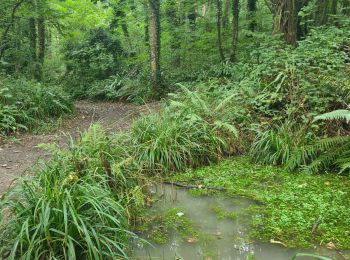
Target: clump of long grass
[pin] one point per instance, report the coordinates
(195, 128)
(76, 207)
(274, 146)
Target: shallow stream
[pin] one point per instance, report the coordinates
(222, 239)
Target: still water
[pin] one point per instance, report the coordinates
(226, 239)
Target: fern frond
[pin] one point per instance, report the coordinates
(341, 114)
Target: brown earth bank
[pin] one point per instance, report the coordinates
(17, 157)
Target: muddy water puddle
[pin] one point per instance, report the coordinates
(222, 225)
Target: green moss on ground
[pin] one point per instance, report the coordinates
(291, 203)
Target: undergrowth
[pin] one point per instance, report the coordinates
(25, 105)
(78, 205)
(195, 128)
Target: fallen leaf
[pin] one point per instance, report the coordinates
(330, 245)
(191, 240)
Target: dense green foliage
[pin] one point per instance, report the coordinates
(25, 104)
(193, 129)
(237, 87)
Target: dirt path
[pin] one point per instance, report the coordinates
(17, 157)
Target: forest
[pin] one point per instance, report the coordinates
(175, 129)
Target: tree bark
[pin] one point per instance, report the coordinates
(218, 26)
(235, 26)
(41, 47)
(226, 16)
(41, 40)
(286, 20)
(32, 38)
(154, 42)
(321, 16)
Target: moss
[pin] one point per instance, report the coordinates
(290, 203)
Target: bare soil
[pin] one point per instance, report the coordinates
(17, 157)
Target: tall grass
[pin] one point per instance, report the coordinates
(76, 207)
(195, 128)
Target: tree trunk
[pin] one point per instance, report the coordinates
(218, 25)
(6, 30)
(251, 8)
(32, 38)
(41, 40)
(286, 19)
(235, 21)
(41, 47)
(321, 16)
(226, 17)
(154, 42)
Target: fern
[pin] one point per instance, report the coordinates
(327, 153)
(341, 114)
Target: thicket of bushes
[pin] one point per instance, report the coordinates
(285, 89)
(25, 104)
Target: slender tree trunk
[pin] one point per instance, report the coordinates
(7, 29)
(218, 26)
(32, 38)
(226, 16)
(251, 8)
(321, 16)
(235, 26)
(41, 47)
(147, 21)
(154, 42)
(286, 20)
(41, 40)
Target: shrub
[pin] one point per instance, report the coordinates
(25, 104)
(194, 129)
(274, 146)
(328, 153)
(76, 207)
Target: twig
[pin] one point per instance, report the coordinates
(193, 186)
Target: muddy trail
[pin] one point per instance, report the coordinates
(17, 157)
